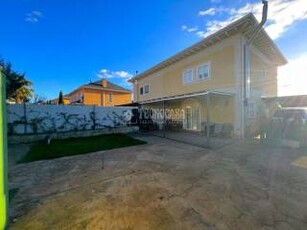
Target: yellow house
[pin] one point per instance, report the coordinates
(206, 83)
(100, 93)
(65, 101)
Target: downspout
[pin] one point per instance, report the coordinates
(247, 71)
(260, 25)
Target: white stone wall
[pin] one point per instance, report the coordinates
(38, 119)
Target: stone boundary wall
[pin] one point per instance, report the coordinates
(32, 122)
(28, 138)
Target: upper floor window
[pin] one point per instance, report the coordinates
(264, 73)
(203, 71)
(146, 89)
(187, 76)
(110, 97)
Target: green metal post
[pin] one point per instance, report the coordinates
(3, 155)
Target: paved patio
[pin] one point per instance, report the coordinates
(194, 138)
(164, 185)
(17, 151)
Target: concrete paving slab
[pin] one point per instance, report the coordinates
(163, 185)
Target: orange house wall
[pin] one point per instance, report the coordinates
(118, 98)
(92, 98)
(102, 98)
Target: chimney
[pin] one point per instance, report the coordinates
(104, 83)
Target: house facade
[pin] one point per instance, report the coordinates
(66, 101)
(206, 81)
(100, 93)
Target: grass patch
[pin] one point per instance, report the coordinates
(74, 146)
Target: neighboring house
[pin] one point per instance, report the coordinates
(56, 101)
(207, 79)
(287, 101)
(274, 103)
(100, 93)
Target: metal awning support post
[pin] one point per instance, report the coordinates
(164, 119)
(208, 118)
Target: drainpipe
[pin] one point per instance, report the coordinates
(246, 71)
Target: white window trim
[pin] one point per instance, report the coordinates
(143, 86)
(148, 89)
(208, 63)
(265, 73)
(193, 77)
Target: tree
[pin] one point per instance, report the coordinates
(17, 87)
(39, 99)
(61, 99)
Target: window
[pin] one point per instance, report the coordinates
(146, 89)
(264, 73)
(203, 72)
(110, 97)
(259, 74)
(188, 76)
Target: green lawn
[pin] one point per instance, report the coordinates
(74, 146)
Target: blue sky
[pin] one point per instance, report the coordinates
(63, 44)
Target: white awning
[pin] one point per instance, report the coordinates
(182, 96)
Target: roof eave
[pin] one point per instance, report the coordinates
(211, 40)
(107, 89)
(283, 60)
(204, 43)
(75, 90)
